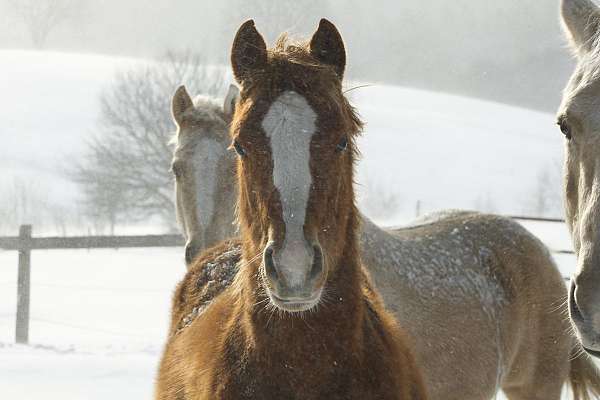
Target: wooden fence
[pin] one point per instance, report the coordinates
(25, 243)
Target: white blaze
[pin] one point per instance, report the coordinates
(206, 157)
(290, 125)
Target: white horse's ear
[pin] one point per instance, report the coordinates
(180, 103)
(230, 99)
(581, 20)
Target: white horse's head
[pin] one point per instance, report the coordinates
(204, 169)
(579, 121)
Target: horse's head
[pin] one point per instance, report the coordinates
(203, 169)
(579, 121)
(294, 133)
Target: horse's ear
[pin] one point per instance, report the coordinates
(248, 53)
(581, 19)
(230, 99)
(180, 103)
(327, 46)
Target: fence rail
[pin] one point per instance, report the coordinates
(25, 243)
(539, 219)
(88, 242)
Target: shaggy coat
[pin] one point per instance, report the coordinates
(227, 340)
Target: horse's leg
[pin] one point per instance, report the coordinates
(543, 381)
(541, 365)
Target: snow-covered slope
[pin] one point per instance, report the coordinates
(48, 108)
(453, 152)
(442, 150)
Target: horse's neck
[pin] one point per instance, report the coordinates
(335, 323)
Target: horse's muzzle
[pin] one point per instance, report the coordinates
(295, 283)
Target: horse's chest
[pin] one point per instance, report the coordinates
(277, 378)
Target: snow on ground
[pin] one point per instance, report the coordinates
(98, 323)
(99, 319)
(37, 373)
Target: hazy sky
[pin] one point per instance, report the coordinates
(509, 50)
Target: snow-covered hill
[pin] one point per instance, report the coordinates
(453, 152)
(441, 150)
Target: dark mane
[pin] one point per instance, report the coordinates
(295, 51)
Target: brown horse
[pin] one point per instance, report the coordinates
(447, 272)
(300, 320)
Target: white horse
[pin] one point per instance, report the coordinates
(579, 121)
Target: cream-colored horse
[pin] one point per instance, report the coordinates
(579, 120)
(479, 294)
(206, 201)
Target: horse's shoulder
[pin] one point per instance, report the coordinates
(381, 323)
(210, 275)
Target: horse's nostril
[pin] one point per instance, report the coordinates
(317, 266)
(270, 270)
(574, 308)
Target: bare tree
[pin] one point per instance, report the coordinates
(43, 16)
(23, 201)
(125, 173)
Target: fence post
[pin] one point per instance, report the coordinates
(23, 285)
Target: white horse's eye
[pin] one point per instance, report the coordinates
(177, 169)
(565, 128)
(342, 145)
(239, 149)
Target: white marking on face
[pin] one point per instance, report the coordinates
(205, 162)
(290, 124)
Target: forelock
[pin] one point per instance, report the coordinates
(208, 118)
(589, 64)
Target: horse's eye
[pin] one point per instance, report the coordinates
(238, 148)
(342, 145)
(565, 128)
(177, 169)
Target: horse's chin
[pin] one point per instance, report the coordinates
(295, 305)
(593, 353)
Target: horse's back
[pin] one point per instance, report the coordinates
(517, 251)
(210, 274)
(482, 275)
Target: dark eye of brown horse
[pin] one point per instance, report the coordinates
(565, 128)
(239, 149)
(342, 145)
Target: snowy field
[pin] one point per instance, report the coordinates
(99, 318)
(98, 321)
